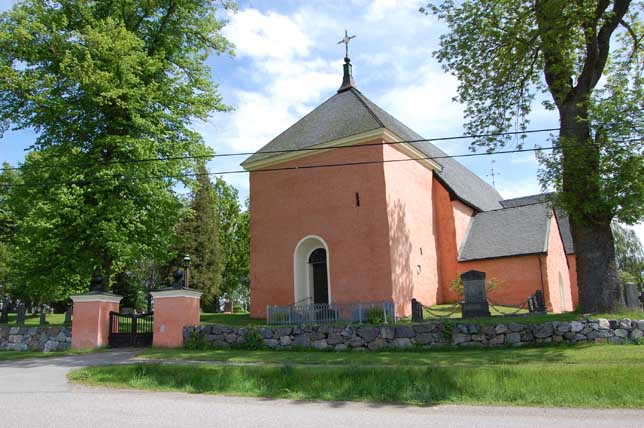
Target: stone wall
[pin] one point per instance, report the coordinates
(431, 334)
(35, 338)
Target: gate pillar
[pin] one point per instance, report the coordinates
(91, 317)
(173, 310)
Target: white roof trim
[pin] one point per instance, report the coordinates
(383, 133)
(184, 292)
(97, 297)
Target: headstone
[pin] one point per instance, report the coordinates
(68, 317)
(4, 311)
(539, 302)
(43, 318)
(228, 307)
(20, 314)
(416, 311)
(475, 303)
(631, 296)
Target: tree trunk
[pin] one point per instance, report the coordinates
(597, 277)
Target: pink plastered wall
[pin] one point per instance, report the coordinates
(559, 295)
(287, 206)
(517, 277)
(171, 315)
(572, 270)
(414, 267)
(90, 324)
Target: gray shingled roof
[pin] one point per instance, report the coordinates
(349, 113)
(507, 232)
(562, 216)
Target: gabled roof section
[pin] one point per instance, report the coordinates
(562, 216)
(508, 232)
(350, 113)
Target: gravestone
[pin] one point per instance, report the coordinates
(4, 311)
(68, 317)
(475, 302)
(20, 314)
(43, 318)
(416, 311)
(631, 296)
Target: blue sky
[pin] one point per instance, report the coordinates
(287, 62)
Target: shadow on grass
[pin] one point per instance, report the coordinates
(612, 386)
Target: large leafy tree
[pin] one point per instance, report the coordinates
(199, 238)
(104, 84)
(630, 255)
(584, 60)
(234, 236)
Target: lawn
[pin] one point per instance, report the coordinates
(536, 377)
(23, 355)
(462, 357)
(53, 320)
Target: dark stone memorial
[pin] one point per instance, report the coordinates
(68, 317)
(416, 310)
(475, 303)
(631, 297)
(4, 311)
(21, 314)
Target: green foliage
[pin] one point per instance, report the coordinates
(253, 341)
(527, 49)
(102, 84)
(447, 330)
(198, 237)
(196, 342)
(630, 255)
(234, 238)
(375, 315)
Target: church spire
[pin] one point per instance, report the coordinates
(347, 78)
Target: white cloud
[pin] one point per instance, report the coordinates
(270, 35)
(424, 103)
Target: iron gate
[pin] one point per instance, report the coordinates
(130, 329)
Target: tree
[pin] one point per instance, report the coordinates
(506, 54)
(630, 255)
(234, 236)
(7, 224)
(199, 238)
(104, 84)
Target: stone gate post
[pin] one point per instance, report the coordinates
(173, 310)
(91, 317)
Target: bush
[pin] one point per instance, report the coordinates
(196, 342)
(375, 315)
(253, 341)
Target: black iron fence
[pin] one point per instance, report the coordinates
(130, 329)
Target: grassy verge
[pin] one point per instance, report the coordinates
(31, 320)
(22, 355)
(569, 386)
(554, 355)
(241, 319)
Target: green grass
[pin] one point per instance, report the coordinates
(53, 320)
(22, 355)
(240, 319)
(465, 357)
(538, 385)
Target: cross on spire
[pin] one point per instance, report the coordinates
(346, 39)
(493, 173)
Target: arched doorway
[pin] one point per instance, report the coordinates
(317, 260)
(311, 276)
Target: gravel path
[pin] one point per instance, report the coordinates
(35, 393)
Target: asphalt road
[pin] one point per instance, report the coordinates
(35, 393)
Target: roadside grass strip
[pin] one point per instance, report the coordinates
(464, 357)
(584, 385)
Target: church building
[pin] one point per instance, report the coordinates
(350, 205)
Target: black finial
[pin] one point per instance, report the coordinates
(347, 78)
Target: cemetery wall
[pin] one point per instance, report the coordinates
(419, 335)
(35, 338)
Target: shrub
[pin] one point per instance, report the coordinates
(253, 341)
(196, 342)
(375, 315)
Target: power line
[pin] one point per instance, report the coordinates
(305, 149)
(297, 167)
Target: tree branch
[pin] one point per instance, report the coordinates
(636, 40)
